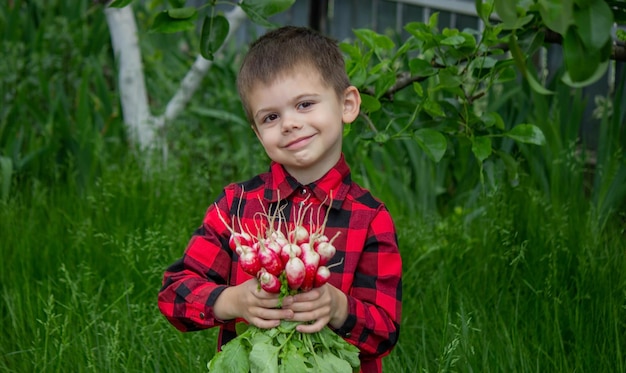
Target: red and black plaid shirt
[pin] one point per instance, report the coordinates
(370, 266)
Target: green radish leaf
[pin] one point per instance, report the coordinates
(292, 360)
(432, 142)
(264, 358)
(165, 24)
(119, 3)
(232, 358)
(481, 147)
(527, 133)
(214, 33)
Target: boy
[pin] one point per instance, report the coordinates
(297, 97)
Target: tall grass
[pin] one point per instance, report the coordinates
(515, 285)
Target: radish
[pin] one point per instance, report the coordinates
(238, 239)
(326, 251)
(270, 260)
(311, 261)
(268, 281)
(295, 272)
(298, 235)
(288, 251)
(321, 276)
(279, 238)
(249, 260)
(317, 239)
(273, 245)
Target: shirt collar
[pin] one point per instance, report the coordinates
(335, 183)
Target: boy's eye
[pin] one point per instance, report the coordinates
(305, 104)
(270, 118)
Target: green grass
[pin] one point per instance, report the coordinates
(512, 286)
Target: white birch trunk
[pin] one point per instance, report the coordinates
(132, 85)
(140, 123)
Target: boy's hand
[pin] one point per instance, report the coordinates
(255, 305)
(323, 305)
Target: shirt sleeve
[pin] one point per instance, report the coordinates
(375, 300)
(192, 284)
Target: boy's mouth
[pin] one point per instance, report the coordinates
(299, 142)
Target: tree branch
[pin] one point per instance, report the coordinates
(194, 76)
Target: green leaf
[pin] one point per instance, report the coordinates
(520, 62)
(369, 104)
(581, 63)
(214, 32)
(433, 108)
(292, 360)
(594, 24)
(264, 358)
(418, 89)
(165, 24)
(481, 147)
(453, 41)
(484, 9)
(492, 119)
(374, 40)
(420, 67)
(232, 358)
(507, 11)
(527, 133)
(182, 13)
(557, 14)
(601, 69)
(119, 3)
(260, 10)
(432, 142)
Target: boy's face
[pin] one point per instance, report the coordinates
(299, 121)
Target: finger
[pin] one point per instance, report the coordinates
(264, 324)
(312, 328)
(273, 313)
(307, 296)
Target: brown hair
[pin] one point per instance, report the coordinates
(281, 50)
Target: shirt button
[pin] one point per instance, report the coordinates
(303, 191)
(202, 315)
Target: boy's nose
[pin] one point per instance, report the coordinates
(290, 123)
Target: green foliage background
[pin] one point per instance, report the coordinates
(523, 272)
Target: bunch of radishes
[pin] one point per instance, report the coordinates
(297, 258)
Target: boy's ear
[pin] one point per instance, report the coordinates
(351, 104)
